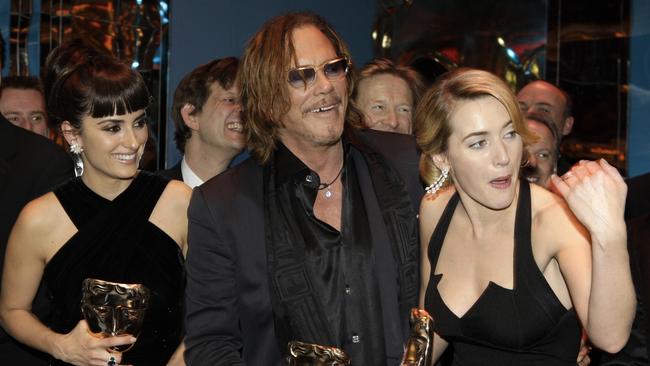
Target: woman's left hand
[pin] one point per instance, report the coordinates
(595, 192)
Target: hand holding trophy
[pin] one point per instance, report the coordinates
(419, 347)
(114, 309)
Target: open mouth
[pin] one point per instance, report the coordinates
(322, 109)
(501, 182)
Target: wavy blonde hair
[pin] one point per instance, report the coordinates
(433, 113)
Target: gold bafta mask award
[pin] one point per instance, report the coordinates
(114, 309)
(419, 347)
(308, 354)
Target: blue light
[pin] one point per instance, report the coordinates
(513, 56)
(163, 6)
(135, 65)
(139, 2)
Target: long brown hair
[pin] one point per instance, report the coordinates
(263, 73)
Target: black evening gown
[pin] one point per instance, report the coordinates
(116, 242)
(527, 325)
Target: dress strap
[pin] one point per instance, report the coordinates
(523, 245)
(440, 232)
(81, 203)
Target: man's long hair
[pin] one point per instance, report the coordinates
(266, 62)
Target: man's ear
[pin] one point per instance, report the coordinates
(440, 161)
(70, 133)
(188, 118)
(568, 126)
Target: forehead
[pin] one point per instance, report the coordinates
(545, 135)
(217, 89)
(22, 97)
(483, 114)
(539, 92)
(384, 85)
(311, 46)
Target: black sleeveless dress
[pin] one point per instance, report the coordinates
(116, 242)
(524, 326)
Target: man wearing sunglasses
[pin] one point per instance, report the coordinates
(314, 239)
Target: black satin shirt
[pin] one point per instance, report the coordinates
(340, 264)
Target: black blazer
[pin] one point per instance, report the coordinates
(638, 196)
(229, 314)
(30, 165)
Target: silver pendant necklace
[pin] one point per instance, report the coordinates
(326, 186)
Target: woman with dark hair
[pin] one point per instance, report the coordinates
(509, 272)
(113, 222)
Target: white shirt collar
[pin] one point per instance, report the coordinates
(189, 177)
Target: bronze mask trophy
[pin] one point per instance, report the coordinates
(419, 348)
(114, 309)
(307, 354)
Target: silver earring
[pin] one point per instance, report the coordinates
(78, 165)
(433, 188)
(75, 148)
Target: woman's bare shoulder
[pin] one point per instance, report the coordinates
(42, 214)
(546, 205)
(432, 207)
(41, 227)
(552, 216)
(175, 196)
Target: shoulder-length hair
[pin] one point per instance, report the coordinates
(265, 64)
(433, 113)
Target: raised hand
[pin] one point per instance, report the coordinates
(595, 192)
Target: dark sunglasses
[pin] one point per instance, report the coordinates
(301, 77)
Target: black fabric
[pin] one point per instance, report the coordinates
(174, 172)
(638, 197)
(116, 242)
(524, 326)
(339, 273)
(30, 166)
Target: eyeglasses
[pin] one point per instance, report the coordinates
(301, 77)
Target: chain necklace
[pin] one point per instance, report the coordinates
(326, 186)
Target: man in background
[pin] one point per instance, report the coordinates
(542, 155)
(386, 95)
(23, 104)
(550, 103)
(207, 117)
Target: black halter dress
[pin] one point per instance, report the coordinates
(524, 326)
(116, 242)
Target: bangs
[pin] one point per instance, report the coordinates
(117, 90)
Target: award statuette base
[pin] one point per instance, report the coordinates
(307, 354)
(419, 348)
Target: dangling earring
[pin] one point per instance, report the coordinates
(433, 188)
(76, 151)
(78, 165)
(75, 148)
